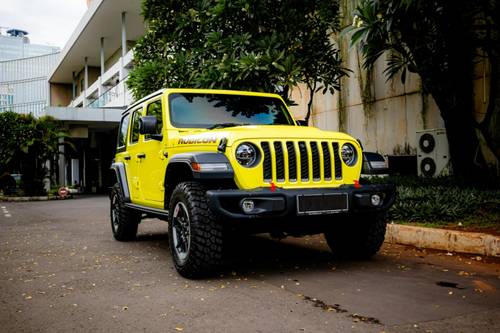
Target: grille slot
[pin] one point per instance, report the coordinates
(327, 162)
(304, 162)
(337, 162)
(267, 163)
(280, 161)
(292, 161)
(315, 161)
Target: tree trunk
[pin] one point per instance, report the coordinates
(490, 126)
(312, 90)
(456, 109)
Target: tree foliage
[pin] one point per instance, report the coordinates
(259, 45)
(441, 40)
(27, 144)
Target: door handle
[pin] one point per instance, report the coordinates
(141, 155)
(127, 157)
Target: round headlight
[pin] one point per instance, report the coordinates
(349, 154)
(246, 154)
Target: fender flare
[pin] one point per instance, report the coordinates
(121, 177)
(203, 158)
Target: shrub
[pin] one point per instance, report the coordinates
(441, 203)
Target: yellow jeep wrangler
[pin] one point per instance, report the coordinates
(217, 163)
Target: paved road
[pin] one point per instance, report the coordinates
(61, 271)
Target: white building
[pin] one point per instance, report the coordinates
(88, 88)
(24, 69)
(16, 45)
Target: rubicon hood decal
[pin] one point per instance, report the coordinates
(197, 139)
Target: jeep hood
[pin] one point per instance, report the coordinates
(260, 132)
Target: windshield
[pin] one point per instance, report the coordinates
(217, 110)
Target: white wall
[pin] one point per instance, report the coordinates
(386, 119)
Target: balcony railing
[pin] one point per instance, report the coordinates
(115, 96)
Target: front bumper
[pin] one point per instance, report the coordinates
(283, 203)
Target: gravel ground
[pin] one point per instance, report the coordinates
(61, 270)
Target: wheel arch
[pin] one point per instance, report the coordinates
(177, 172)
(180, 169)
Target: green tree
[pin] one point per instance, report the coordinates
(259, 45)
(440, 40)
(16, 136)
(27, 144)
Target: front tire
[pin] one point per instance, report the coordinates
(195, 236)
(358, 237)
(124, 221)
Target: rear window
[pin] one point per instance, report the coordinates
(134, 130)
(154, 109)
(122, 134)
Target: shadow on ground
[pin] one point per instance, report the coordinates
(259, 254)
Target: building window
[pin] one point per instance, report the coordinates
(154, 109)
(6, 102)
(81, 86)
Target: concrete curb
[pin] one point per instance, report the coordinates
(25, 199)
(22, 199)
(442, 239)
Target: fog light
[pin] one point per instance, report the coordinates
(376, 200)
(247, 206)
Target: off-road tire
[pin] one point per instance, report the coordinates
(205, 254)
(127, 220)
(358, 236)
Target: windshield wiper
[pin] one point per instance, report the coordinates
(224, 125)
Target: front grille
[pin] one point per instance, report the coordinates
(300, 161)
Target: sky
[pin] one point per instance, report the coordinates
(48, 22)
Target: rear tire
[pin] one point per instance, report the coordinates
(124, 221)
(359, 237)
(195, 235)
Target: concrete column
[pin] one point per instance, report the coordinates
(102, 56)
(85, 82)
(103, 70)
(73, 84)
(62, 164)
(124, 47)
(124, 35)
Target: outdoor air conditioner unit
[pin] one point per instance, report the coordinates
(433, 156)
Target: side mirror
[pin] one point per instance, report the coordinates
(302, 122)
(148, 126)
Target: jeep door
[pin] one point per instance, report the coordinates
(132, 157)
(153, 165)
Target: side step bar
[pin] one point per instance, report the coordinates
(159, 213)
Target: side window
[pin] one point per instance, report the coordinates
(122, 134)
(134, 131)
(154, 109)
